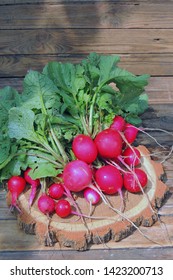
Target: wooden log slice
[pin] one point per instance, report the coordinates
(106, 224)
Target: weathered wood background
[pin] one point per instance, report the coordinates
(33, 32)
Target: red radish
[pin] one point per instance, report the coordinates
(131, 156)
(130, 133)
(109, 143)
(16, 186)
(133, 182)
(109, 179)
(84, 148)
(34, 185)
(46, 204)
(63, 208)
(118, 123)
(77, 175)
(91, 196)
(56, 190)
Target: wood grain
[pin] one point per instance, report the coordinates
(50, 2)
(153, 64)
(82, 41)
(104, 253)
(86, 14)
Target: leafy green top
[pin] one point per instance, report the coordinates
(66, 99)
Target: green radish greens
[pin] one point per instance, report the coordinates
(38, 124)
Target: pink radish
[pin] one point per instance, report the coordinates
(130, 133)
(84, 148)
(133, 182)
(16, 186)
(77, 175)
(109, 179)
(46, 204)
(34, 185)
(109, 143)
(56, 190)
(63, 208)
(118, 123)
(131, 156)
(91, 196)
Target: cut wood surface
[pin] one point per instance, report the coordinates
(33, 32)
(107, 222)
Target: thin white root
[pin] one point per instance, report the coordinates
(157, 129)
(168, 156)
(143, 131)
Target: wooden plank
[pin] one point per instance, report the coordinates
(18, 65)
(163, 253)
(158, 116)
(160, 90)
(5, 213)
(153, 64)
(82, 41)
(167, 209)
(86, 14)
(12, 82)
(50, 2)
(12, 238)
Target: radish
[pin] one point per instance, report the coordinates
(63, 208)
(91, 196)
(109, 143)
(134, 182)
(130, 133)
(109, 179)
(84, 148)
(131, 156)
(46, 204)
(16, 186)
(118, 123)
(77, 175)
(56, 190)
(34, 185)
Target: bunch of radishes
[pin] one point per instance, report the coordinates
(103, 166)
